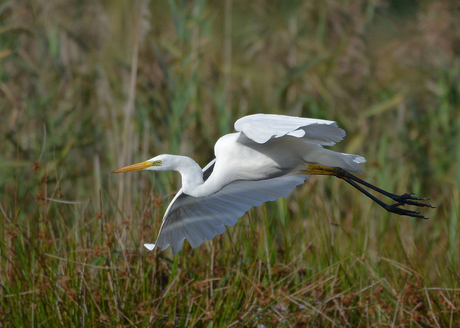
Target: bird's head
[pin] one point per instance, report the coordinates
(158, 163)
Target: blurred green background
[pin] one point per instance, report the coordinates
(87, 87)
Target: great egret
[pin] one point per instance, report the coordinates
(268, 157)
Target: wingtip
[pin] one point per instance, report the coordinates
(150, 247)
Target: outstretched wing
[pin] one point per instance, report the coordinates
(263, 127)
(201, 219)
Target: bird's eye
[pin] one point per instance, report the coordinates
(158, 162)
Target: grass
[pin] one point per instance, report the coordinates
(89, 87)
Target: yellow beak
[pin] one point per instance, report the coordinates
(135, 167)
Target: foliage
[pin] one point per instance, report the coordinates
(87, 87)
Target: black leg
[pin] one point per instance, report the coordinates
(401, 200)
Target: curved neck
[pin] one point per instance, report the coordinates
(191, 172)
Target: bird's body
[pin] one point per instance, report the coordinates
(274, 158)
(264, 160)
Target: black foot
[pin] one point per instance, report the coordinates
(395, 208)
(410, 199)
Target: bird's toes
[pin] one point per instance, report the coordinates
(397, 209)
(410, 199)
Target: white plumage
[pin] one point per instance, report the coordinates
(268, 157)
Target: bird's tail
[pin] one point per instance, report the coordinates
(329, 158)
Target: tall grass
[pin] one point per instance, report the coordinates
(87, 87)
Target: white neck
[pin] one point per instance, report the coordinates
(191, 172)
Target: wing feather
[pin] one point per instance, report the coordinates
(199, 219)
(263, 127)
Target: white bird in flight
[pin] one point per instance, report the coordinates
(268, 157)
